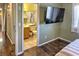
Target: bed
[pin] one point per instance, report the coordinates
(70, 50)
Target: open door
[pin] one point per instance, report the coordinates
(19, 19)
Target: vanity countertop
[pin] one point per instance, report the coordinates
(28, 25)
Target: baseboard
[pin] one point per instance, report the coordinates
(10, 39)
(64, 39)
(47, 42)
(20, 53)
(53, 40)
(28, 48)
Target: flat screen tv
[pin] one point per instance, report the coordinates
(53, 15)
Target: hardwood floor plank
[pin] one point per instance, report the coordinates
(41, 52)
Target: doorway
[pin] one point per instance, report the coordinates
(1, 20)
(30, 25)
(3, 40)
(1, 30)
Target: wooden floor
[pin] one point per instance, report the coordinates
(49, 49)
(6, 49)
(3, 45)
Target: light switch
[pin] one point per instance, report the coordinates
(19, 24)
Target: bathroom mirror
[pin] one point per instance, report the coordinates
(29, 17)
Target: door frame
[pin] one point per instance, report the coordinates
(38, 24)
(22, 28)
(16, 39)
(38, 27)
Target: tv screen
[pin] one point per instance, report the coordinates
(54, 15)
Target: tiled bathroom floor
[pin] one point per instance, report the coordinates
(31, 42)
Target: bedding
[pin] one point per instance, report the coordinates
(70, 50)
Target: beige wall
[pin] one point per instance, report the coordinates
(66, 25)
(11, 23)
(63, 30)
(48, 32)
